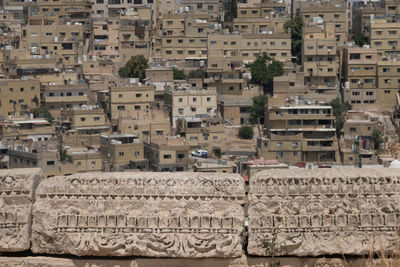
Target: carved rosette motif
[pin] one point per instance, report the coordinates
(186, 215)
(17, 189)
(322, 212)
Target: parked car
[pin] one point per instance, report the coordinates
(200, 153)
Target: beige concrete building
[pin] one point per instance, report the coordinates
(359, 76)
(18, 97)
(300, 132)
(261, 17)
(119, 150)
(290, 84)
(385, 37)
(190, 102)
(36, 130)
(210, 165)
(236, 109)
(43, 155)
(388, 77)
(134, 33)
(127, 101)
(332, 12)
(106, 40)
(146, 126)
(202, 133)
(184, 36)
(211, 7)
(59, 97)
(167, 154)
(86, 160)
(83, 126)
(321, 65)
(356, 143)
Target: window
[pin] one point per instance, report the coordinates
(378, 43)
(180, 100)
(83, 118)
(193, 138)
(280, 154)
(215, 137)
(355, 56)
(120, 95)
(11, 89)
(193, 109)
(96, 118)
(213, 42)
(137, 153)
(138, 95)
(291, 83)
(169, 41)
(272, 43)
(121, 107)
(355, 93)
(80, 93)
(208, 99)
(369, 93)
(168, 52)
(387, 91)
(180, 41)
(386, 69)
(279, 144)
(180, 52)
(336, 16)
(159, 132)
(378, 32)
(194, 99)
(50, 163)
(387, 81)
(180, 110)
(121, 154)
(368, 80)
(137, 107)
(392, 32)
(21, 101)
(283, 43)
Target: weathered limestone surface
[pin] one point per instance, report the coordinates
(17, 189)
(187, 215)
(325, 211)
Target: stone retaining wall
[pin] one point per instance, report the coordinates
(199, 215)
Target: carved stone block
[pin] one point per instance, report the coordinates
(323, 211)
(188, 215)
(17, 189)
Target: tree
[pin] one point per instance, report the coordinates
(218, 152)
(377, 138)
(199, 73)
(246, 131)
(360, 39)
(179, 74)
(258, 111)
(296, 31)
(42, 112)
(64, 155)
(339, 111)
(134, 68)
(230, 9)
(263, 70)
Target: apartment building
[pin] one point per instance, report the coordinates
(320, 62)
(119, 150)
(212, 7)
(134, 33)
(335, 13)
(127, 101)
(368, 13)
(65, 41)
(236, 109)
(36, 130)
(202, 133)
(19, 63)
(388, 77)
(86, 160)
(256, 17)
(190, 102)
(385, 37)
(106, 40)
(43, 155)
(58, 97)
(359, 76)
(300, 131)
(290, 84)
(146, 126)
(18, 97)
(167, 154)
(184, 36)
(356, 142)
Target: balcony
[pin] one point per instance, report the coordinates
(66, 99)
